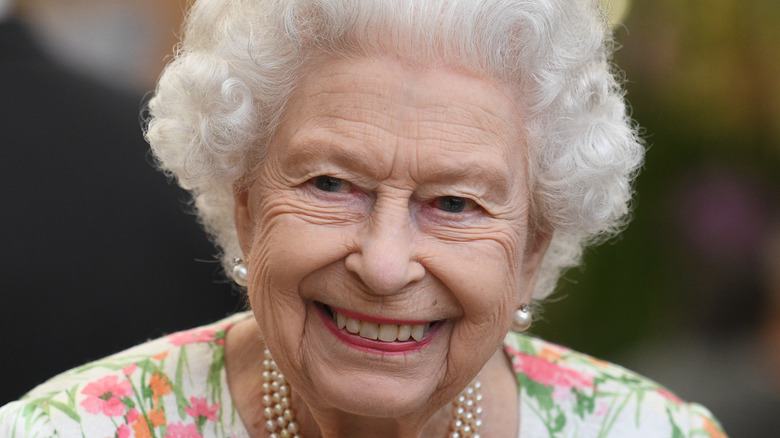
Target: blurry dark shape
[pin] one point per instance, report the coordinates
(724, 352)
(770, 318)
(119, 42)
(722, 218)
(98, 254)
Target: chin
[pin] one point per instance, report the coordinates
(370, 395)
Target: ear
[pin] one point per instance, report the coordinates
(242, 216)
(535, 250)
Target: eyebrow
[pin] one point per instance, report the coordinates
(495, 182)
(357, 158)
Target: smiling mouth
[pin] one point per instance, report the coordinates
(378, 331)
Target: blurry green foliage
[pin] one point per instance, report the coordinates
(703, 80)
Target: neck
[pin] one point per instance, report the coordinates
(334, 424)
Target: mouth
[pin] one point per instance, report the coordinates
(380, 334)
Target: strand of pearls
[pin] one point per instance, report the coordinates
(467, 413)
(280, 416)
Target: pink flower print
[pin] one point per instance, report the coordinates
(123, 431)
(131, 416)
(601, 409)
(201, 411)
(103, 396)
(197, 335)
(669, 396)
(129, 369)
(549, 374)
(179, 430)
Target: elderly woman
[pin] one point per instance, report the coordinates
(394, 183)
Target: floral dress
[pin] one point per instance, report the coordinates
(176, 387)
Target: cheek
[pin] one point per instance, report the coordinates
(485, 278)
(285, 250)
(287, 246)
(482, 271)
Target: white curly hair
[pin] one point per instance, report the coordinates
(219, 100)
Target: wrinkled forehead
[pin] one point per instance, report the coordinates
(409, 96)
(378, 107)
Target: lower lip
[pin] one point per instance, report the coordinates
(372, 346)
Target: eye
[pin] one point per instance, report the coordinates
(330, 184)
(454, 204)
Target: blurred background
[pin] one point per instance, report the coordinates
(99, 251)
(689, 294)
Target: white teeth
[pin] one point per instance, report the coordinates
(388, 332)
(369, 330)
(382, 332)
(417, 332)
(353, 325)
(404, 332)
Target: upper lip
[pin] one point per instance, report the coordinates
(378, 319)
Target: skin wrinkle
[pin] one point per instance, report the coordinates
(435, 128)
(489, 179)
(441, 106)
(382, 246)
(534, 46)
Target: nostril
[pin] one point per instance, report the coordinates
(382, 273)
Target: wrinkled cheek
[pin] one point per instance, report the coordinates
(488, 286)
(471, 346)
(488, 296)
(272, 285)
(486, 328)
(512, 246)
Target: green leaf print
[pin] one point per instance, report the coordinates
(214, 379)
(128, 402)
(585, 404)
(148, 366)
(182, 368)
(676, 432)
(559, 423)
(526, 345)
(542, 393)
(65, 409)
(29, 411)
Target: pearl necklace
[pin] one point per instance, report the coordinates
(280, 416)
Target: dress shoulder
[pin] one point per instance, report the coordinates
(564, 393)
(21, 419)
(172, 386)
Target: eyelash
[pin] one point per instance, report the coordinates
(321, 183)
(463, 205)
(322, 180)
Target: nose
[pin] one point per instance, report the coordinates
(385, 257)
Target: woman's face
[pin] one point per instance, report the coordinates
(392, 203)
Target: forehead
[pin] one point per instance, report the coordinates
(381, 107)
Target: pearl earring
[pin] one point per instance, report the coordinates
(239, 272)
(521, 320)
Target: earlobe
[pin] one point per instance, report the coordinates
(242, 216)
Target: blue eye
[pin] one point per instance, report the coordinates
(330, 184)
(454, 204)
